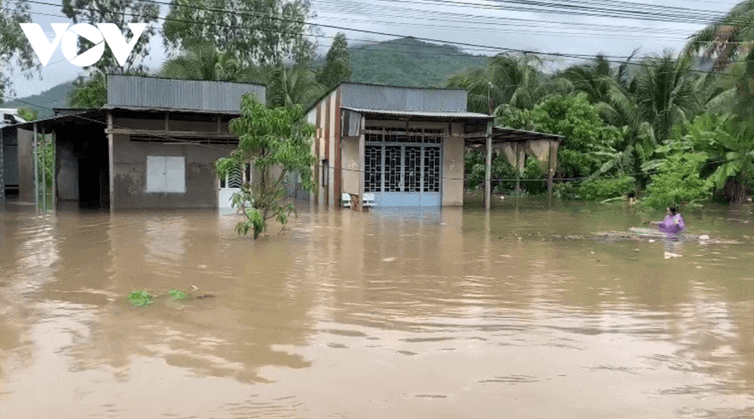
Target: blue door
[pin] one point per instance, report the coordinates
(404, 169)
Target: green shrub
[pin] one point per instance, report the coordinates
(533, 172)
(566, 191)
(177, 294)
(601, 189)
(678, 181)
(140, 298)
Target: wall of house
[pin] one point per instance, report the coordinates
(327, 146)
(453, 167)
(25, 166)
(350, 157)
(130, 169)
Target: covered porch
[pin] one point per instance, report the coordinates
(515, 145)
(396, 158)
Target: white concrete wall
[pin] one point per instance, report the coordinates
(349, 147)
(452, 167)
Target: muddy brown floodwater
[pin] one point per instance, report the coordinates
(452, 314)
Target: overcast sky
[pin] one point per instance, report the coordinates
(481, 23)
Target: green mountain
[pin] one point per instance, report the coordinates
(409, 62)
(45, 101)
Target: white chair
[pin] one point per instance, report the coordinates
(368, 200)
(346, 200)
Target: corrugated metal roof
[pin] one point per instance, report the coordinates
(425, 114)
(172, 110)
(169, 94)
(403, 98)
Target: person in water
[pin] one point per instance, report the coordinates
(673, 222)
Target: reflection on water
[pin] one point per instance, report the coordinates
(392, 313)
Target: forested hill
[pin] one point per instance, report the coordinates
(45, 101)
(409, 62)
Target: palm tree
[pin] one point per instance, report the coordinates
(596, 80)
(726, 40)
(204, 62)
(508, 80)
(292, 85)
(729, 45)
(667, 92)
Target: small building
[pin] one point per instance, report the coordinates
(9, 151)
(152, 146)
(402, 145)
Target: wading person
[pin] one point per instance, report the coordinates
(672, 226)
(673, 222)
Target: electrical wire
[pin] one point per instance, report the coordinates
(612, 59)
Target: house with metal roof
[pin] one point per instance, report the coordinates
(390, 146)
(152, 146)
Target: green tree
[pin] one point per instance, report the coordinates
(255, 32)
(89, 93)
(586, 136)
(292, 85)
(726, 40)
(667, 92)
(508, 80)
(119, 12)
(276, 142)
(337, 66)
(14, 48)
(729, 143)
(27, 114)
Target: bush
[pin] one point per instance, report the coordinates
(140, 298)
(533, 172)
(566, 191)
(601, 189)
(678, 181)
(501, 169)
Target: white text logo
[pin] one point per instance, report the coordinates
(68, 38)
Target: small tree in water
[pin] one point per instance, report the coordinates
(276, 142)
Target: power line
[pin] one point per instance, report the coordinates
(612, 59)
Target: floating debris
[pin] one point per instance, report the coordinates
(646, 235)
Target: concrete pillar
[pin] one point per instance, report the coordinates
(362, 163)
(2, 165)
(551, 166)
(44, 170)
(488, 169)
(36, 163)
(111, 161)
(54, 171)
(518, 172)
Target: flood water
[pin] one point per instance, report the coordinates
(451, 314)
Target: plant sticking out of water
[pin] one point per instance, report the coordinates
(177, 294)
(140, 298)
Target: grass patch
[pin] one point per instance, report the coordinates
(177, 294)
(140, 298)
